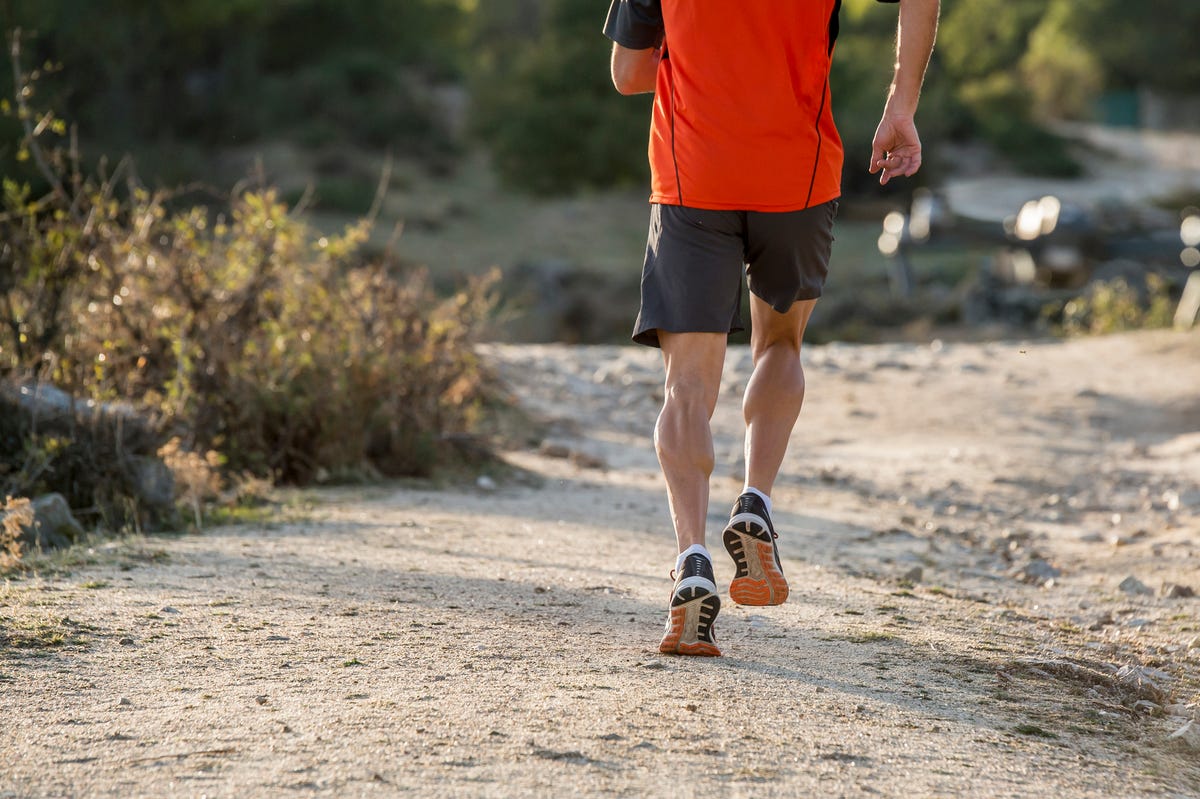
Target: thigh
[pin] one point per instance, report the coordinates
(787, 254)
(692, 278)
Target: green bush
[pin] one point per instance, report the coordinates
(1113, 306)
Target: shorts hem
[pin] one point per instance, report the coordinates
(648, 336)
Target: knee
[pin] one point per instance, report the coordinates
(682, 431)
(690, 396)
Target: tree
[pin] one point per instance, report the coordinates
(1063, 74)
(1150, 43)
(547, 108)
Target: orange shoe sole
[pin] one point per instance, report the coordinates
(680, 638)
(763, 583)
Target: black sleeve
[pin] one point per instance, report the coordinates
(636, 24)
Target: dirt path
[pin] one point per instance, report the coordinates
(956, 522)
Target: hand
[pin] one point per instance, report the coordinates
(896, 149)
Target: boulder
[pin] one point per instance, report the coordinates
(54, 526)
(155, 482)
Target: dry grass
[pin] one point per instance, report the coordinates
(17, 514)
(1130, 689)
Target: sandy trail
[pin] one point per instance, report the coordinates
(465, 642)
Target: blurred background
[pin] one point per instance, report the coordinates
(509, 148)
(191, 303)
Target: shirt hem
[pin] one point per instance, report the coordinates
(711, 205)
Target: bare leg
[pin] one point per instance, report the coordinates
(682, 437)
(775, 392)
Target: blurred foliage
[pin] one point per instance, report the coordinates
(197, 74)
(545, 104)
(1062, 73)
(242, 332)
(1149, 44)
(231, 73)
(1113, 306)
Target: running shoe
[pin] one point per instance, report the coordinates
(750, 540)
(694, 608)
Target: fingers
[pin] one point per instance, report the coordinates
(895, 150)
(878, 154)
(896, 165)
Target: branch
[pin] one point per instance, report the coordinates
(26, 118)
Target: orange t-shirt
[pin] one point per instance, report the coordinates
(742, 116)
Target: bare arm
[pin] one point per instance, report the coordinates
(635, 71)
(897, 148)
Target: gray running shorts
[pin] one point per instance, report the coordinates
(692, 278)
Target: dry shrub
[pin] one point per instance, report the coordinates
(250, 335)
(15, 515)
(197, 477)
(243, 331)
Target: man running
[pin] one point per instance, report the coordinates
(745, 173)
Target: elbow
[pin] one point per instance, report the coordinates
(634, 71)
(625, 81)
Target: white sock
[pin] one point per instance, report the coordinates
(694, 549)
(752, 490)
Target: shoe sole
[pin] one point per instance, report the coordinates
(759, 581)
(694, 608)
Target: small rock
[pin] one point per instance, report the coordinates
(914, 574)
(1133, 586)
(1038, 572)
(550, 449)
(485, 483)
(1188, 736)
(1102, 622)
(262, 700)
(1177, 591)
(168, 609)
(540, 589)
(1183, 711)
(126, 641)
(586, 461)
(124, 702)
